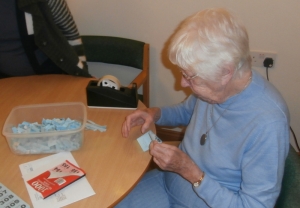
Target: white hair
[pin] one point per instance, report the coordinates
(208, 41)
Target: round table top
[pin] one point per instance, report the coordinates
(113, 164)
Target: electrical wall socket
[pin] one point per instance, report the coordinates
(258, 58)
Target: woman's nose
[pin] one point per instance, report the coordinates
(184, 82)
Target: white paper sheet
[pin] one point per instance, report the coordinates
(74, 192)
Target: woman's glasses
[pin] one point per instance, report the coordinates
(187, 77)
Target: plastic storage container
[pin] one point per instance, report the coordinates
(45, 142)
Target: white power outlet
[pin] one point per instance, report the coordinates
(258, 58)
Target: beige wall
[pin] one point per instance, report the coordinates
(273, 25)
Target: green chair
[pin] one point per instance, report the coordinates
(121, 51)
(290, 191)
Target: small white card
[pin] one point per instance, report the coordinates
(146, 139)
(76, 191)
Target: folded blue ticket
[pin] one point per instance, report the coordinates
(146, 139)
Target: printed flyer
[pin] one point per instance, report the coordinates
(53, 180)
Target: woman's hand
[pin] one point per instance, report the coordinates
(171, 158)
(140, 117)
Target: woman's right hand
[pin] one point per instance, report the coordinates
(140, 117)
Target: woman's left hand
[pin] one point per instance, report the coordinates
(171, 158)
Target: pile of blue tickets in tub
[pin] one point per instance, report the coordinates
(50, 140)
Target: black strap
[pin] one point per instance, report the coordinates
(27, 41)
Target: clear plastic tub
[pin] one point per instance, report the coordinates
(45, 142)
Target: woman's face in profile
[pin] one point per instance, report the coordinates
(207, 91)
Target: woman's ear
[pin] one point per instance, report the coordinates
(227, 74)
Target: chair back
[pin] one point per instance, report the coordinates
(114, 50)
(289, 196)
(121, 51)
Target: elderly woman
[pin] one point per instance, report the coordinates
(237, 135)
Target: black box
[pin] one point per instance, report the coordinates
(98, 96)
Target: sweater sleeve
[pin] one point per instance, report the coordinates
(178, 115)
(65, 22)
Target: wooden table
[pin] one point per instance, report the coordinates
(113, 164)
